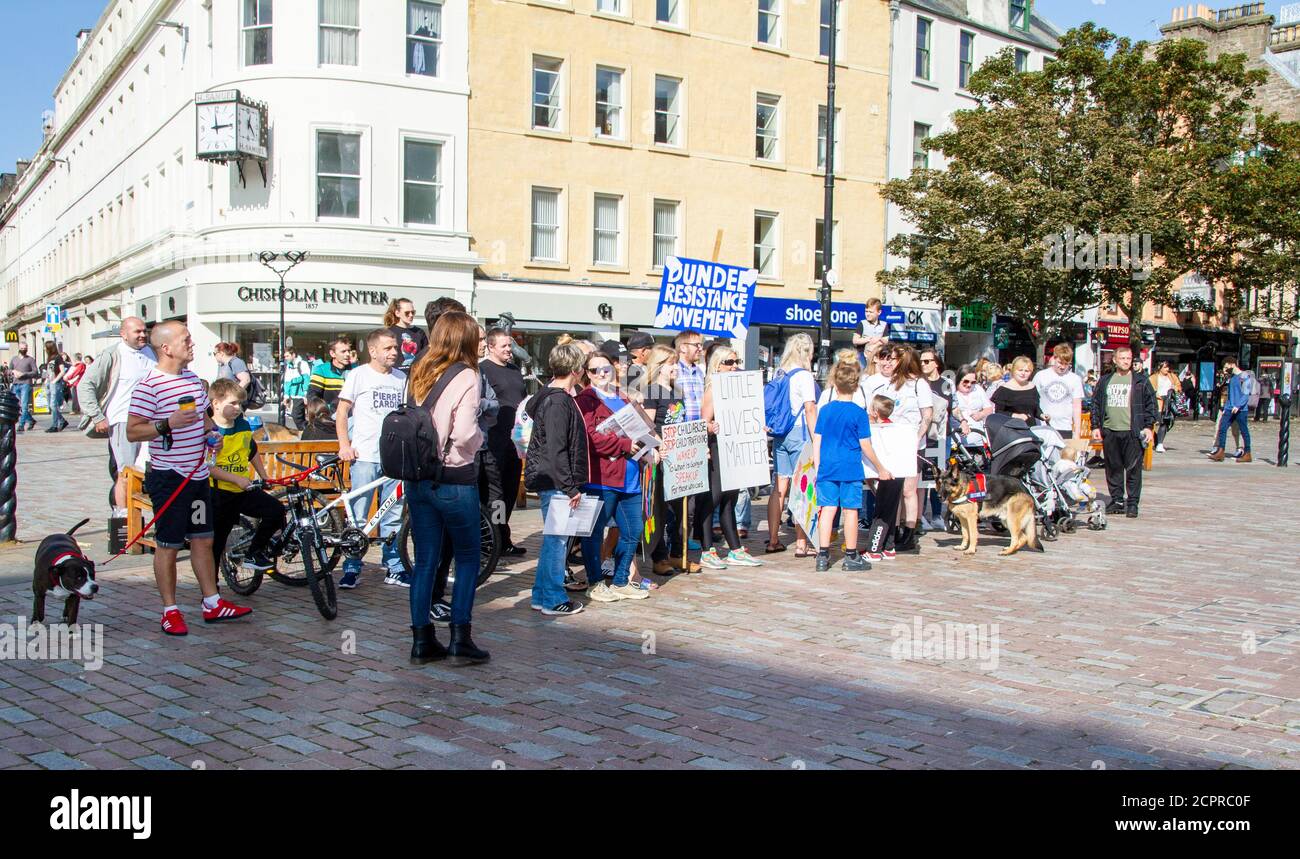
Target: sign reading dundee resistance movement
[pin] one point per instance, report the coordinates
(742, 431)
(711, 298)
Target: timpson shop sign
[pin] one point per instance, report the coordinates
(315, 297)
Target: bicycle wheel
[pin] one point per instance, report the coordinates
(289, 568)
(319, 581)
(238, 579)
(489, 547)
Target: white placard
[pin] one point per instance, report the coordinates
(564, 521)
(630, 421)
(895, 446)
(685, 459)
(742, 434)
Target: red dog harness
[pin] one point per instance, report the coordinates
(976, 490)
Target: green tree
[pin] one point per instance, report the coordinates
(1113, 139)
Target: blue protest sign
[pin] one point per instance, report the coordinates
(893, 315)
(711, 298)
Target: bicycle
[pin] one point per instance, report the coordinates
(336, 532)
(300, 543)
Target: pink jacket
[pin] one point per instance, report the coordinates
(455, 416)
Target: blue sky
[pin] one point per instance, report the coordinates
(30, 66)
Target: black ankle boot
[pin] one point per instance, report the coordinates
(906, 541)
(425, 646)
(462, 649)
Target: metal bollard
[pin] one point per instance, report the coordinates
(9, 413)
(1284, 431)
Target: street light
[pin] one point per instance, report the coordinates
(828, 219)
(270, 260)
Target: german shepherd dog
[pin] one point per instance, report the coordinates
(1006, 498)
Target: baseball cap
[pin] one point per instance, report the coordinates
(611, 349)
(640, 340)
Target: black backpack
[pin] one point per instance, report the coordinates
(256, 397)
(409, 447)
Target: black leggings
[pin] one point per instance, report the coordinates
(716, 499)
(889, 496)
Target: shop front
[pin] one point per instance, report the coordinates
(777, 319)
(921, 328)
(1011, 339)
(1185, 346)
(971, 338)
(314, 315)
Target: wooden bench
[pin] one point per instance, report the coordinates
(139, 508)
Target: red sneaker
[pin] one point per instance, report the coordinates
(173, 623)
(224, 610)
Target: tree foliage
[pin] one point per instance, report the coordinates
(1113, 139)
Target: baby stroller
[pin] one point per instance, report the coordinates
(1014, 449)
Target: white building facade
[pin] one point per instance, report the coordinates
(937, 46)
(366, 111)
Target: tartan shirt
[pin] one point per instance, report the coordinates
(690, 382)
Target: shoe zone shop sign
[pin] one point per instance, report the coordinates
(800, 313)
(714, 299)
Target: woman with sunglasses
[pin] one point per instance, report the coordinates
(899, 378)
(971, 405)
(615, 478)
(399, 319)
(723, 360)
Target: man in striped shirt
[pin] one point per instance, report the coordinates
(327, 379)
(690, 371)
(169, 410)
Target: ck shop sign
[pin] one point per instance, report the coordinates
(919, 325)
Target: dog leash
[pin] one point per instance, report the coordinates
(175, 493)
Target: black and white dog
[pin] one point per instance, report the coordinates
(62, 571)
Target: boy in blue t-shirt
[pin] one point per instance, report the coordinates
(841, 439)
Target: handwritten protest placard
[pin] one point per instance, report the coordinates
(742, 434)
(685, 459)
(708, 297)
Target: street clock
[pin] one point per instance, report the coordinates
(230, 127)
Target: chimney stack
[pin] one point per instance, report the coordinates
(82, 35)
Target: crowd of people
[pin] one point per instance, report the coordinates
(886, 403)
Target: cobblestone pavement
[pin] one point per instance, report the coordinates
(1166, 642)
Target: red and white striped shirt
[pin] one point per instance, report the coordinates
(155, 399)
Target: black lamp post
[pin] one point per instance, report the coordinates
(281, 264)
(828, 217)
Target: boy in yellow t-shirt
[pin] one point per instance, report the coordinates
(234, 462)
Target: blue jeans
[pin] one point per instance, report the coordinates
(1240, 419)
(624, 508)
(448, 508)
(56, 404)
(23, 391)
(363, 473)
(548, 582)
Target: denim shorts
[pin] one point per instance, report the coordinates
(845, 494)
(787, 450)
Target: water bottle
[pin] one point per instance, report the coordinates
(254, 422)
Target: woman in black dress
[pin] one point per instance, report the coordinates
(1019, 396)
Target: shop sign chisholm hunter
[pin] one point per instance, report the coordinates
(315, 296)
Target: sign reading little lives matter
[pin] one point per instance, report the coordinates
(742, 431)
(713, 299)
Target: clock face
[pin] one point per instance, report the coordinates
(216, 128)
(249, 131)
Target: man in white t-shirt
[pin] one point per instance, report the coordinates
(1060, 392)
(105, 396)
(369, 393)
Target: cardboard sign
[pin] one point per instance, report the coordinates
(802, 501)
(711, 298)
(895, 446)
(684, 457)
(742, 434)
